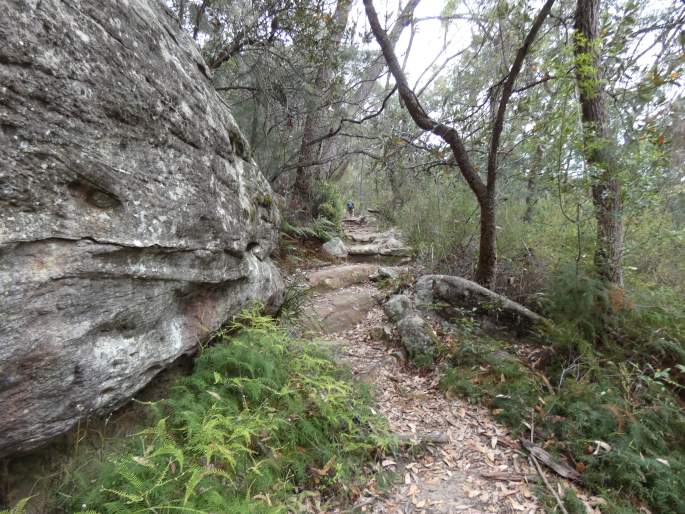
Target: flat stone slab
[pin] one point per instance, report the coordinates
(337, 277)
(339, 311)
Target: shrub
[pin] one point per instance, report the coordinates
(320, 229)
(616, 419)
(328, 203)
(261, 418)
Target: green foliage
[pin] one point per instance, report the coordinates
(578, 299)
(327, 203)
(572, 503)
(610, 410)
(19, 508)
(261, 418)
(320, 229)
(295, 297)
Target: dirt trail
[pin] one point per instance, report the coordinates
(465, 468)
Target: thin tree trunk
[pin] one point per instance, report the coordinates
(487, 248)
(310, 152)
(600, 150)
(198, 18)
(181, 13)
(532, 185)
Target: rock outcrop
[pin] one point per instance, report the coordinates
(440, 293)
(133, 220)
(416, 335)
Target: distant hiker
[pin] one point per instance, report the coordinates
(350, 208)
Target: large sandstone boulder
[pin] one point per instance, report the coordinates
(335, 248)
(132, 219)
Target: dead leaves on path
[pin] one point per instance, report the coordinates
(461, 461)
(460, 450)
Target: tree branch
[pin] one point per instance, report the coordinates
(416, 111)
(198, 17)
(507, 90)
(356, 122)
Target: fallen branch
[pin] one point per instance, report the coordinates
(547, 484)
(559, 468)
(461, 293)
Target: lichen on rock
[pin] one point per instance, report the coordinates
(133, 221)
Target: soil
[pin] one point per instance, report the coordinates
(467, 463)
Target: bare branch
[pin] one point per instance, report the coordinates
(418, 114)
(508, 88)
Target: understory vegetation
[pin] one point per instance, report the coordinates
(263, 424)
(328, 212)
(602, 391)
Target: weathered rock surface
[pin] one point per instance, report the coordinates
(397, 307)
(132, 218)
(340, 311)
(383, 245)
(461, 293)
(417, 336)
(335, 248)
(337, 277)
(383, 273)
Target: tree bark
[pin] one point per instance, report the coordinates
(599, 145)
(485, 192)
(310, 151)
(487, 248)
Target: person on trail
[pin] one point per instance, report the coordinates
(350, 208)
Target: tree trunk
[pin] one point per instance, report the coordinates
(310, 152)
(532, 186)
(487, 251)
(599, 145)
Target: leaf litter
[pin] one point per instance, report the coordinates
(465, 461)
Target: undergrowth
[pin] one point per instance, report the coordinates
(321, 229)
(326, 217)
(262, 423)
(604, 392)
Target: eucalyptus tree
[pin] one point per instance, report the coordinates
(500, 94)
(628, 59)
(600, 147)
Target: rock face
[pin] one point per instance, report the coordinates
(132, 219)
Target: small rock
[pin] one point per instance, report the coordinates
(397, 307)
(381, 333)
(382, 274)
(416, 335)
(336, 248)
